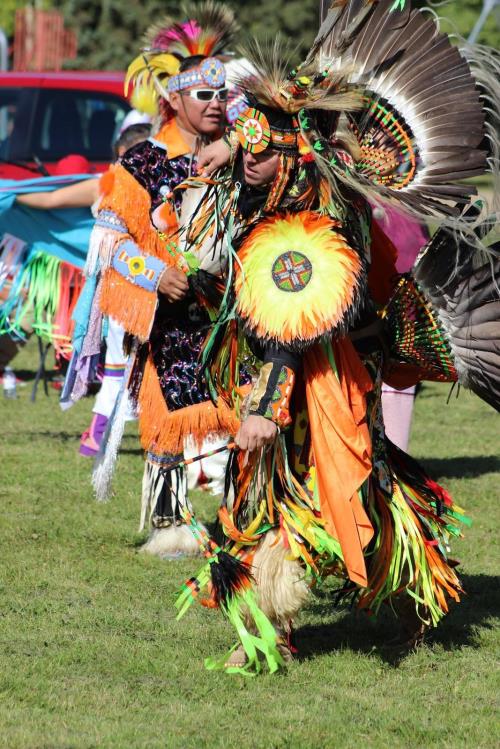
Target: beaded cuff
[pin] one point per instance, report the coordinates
(272, 393)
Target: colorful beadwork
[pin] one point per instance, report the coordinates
(142, 270)
(111, 221)
(394, 163)
(279, 405)
(255, 134)
(211, 73)
(292, 271)
(416, 334)
(253, 130)
(136, 266)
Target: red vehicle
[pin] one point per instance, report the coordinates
(46, 116)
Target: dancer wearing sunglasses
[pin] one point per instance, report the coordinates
(140, 277)
(207, 94)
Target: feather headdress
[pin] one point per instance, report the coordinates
(275, 84)
(422, 126)
(413, 103)
(208, 32)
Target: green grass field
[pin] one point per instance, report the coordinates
(91, 654)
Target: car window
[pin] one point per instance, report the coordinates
(14, 106)
(77, 122)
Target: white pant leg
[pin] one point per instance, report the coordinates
(114, 368)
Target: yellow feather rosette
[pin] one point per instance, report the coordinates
(149, 74)
(298, 280)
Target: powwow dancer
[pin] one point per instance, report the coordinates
(142, 280)
(386, 109)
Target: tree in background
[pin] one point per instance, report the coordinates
(8, 12)
(109, 31)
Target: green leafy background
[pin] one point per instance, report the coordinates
(109, 31)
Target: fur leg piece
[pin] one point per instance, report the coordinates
(280, 585)
(171, 543)
(164, 495)
(280, 590)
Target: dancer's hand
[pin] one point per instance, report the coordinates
(212, 157)
(255, 432)
(173, 284)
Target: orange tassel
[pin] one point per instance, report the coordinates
(168, 218)
(232, 531)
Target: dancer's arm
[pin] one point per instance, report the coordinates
(216, 155)
(80, 195)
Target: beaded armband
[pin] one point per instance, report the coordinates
(141, 270)
(272, 393)
(107, 219)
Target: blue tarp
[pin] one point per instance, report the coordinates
(63, 233)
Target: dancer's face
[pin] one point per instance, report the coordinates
(196, 115)
(260, 168)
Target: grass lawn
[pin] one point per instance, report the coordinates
(91, 654)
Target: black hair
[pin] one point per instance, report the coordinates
(132, 135)
(188, 63)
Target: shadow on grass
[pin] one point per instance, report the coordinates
(131, 451)
(460, 468)
(52, 435)
(358, 632)
(25, 375)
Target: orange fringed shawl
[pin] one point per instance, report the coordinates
(130, 305)
(163, 431)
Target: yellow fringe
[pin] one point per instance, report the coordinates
(131, 306)
(163, 431)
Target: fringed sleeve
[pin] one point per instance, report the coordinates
(129, 252)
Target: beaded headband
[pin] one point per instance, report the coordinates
(211, 72)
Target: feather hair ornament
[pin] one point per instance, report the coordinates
(270, 83)
(210, 30)
(148, 71)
